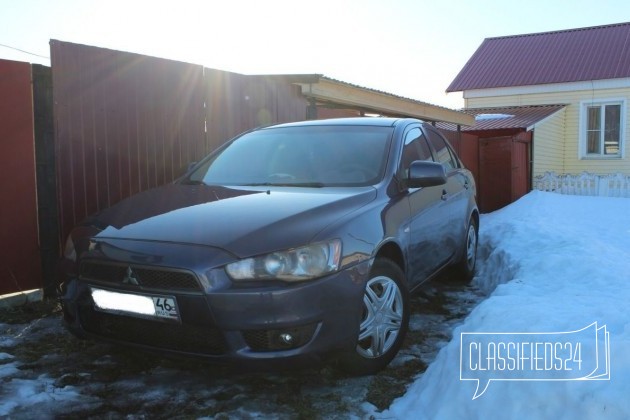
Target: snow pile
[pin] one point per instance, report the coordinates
(29, 394)
(23, 395)
(552, 263)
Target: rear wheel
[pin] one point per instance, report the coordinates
(468, 262)
(384, 320)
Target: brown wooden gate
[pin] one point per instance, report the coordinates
(503, 170)
(521, 168)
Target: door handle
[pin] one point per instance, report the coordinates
(466, 184)
(444, 195)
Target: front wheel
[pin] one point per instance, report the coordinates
(468, 262)
(384, 320)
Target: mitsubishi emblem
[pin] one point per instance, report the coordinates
(130, 277)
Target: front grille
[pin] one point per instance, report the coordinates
(152, 278)
(162, 335)
(270, 340)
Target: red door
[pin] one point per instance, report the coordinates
(495, 173)
(520, 165)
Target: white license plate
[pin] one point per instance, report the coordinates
(139, 305)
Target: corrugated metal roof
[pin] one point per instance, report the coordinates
(440, 113)
(505, 117)
(416, 101)
(594, 53)
(314, 78)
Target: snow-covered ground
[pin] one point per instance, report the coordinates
(45, 373)
(548, 264)
(554, 263)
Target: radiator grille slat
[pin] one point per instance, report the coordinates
(147, 277)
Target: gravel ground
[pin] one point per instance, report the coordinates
(47, 373)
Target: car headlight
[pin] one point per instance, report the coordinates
(297, 264)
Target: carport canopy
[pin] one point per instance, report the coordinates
(327, 92)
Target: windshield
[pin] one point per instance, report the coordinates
(307, 156)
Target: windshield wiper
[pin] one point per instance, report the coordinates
(286, 184)
(192, 182)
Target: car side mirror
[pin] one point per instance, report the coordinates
(425, 174)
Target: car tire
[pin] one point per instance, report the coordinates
(467, 264)
(384, 320)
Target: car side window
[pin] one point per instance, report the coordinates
(415, 148)
(443, 153)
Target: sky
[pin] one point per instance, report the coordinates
(411, 48)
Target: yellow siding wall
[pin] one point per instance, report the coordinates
(549, 144)
(571, 162)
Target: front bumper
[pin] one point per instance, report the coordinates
(320, 317)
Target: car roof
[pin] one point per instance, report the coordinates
(356, 121)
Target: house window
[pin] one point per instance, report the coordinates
(603, 129)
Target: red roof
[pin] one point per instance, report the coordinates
(506, 117)
(595, 53)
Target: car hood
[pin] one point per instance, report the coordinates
(243, 221)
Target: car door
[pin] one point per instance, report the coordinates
(425, 249)
(454, 193)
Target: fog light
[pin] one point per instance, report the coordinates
(280, 339)
(286, 338)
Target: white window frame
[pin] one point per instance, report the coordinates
(582, 149)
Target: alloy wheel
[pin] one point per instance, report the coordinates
(382, 317)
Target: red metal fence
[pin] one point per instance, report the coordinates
(126, 122)
(123, 123)
(20, 267)
(236, 103)
(467, 147)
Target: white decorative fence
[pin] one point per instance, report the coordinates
(615, 185)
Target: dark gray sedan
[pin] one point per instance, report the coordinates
(295, 241)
